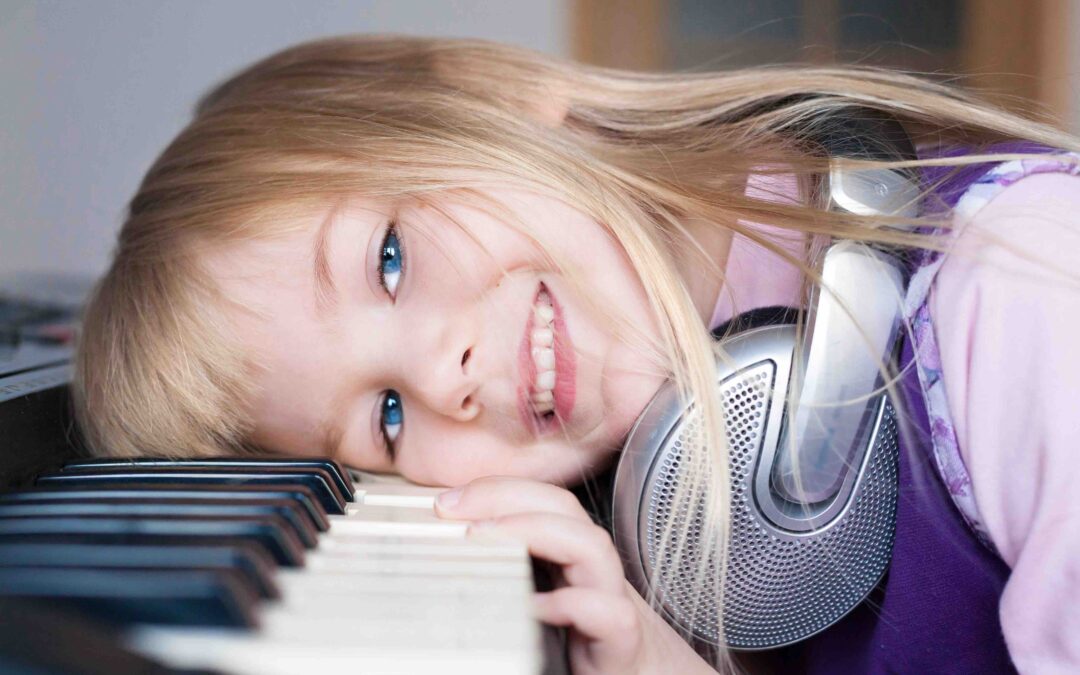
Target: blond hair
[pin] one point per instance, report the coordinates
(159, 371)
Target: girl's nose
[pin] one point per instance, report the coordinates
(446, 380)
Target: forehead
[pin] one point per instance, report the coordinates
(268, 283)
(282, 245)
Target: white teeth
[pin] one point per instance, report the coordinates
(543, 315)
(542, 337)
(544, 358)
(545, 381)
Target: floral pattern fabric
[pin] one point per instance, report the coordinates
(950, 464)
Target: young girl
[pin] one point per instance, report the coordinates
(473, 266)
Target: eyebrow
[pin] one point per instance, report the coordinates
(326, 295)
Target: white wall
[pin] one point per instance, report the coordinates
(91, 92)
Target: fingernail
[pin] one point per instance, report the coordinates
(448, 499)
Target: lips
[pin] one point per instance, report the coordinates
(565, 369)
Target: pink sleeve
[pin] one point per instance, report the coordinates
(1009, 334)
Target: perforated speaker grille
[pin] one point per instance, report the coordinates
(780, 587)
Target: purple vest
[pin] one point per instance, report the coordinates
(936, 609)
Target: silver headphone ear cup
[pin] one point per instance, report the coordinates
(781, 586)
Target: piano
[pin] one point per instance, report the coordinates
(234, 565)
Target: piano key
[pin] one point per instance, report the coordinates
(324, 477)
(298, 494)
(194, 598)
(321, 485)
(413, 522)
(395, 565)
(454, 622)
(421, 547)
(404, 576)
(286, 511)
(245, 558)
(387, 494)
(337, 472)
(275, 539)
(427, 588)
(252, 655)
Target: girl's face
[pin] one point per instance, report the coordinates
(387, 337)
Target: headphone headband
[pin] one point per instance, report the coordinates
(852, 329)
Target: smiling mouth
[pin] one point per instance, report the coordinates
(548, 365)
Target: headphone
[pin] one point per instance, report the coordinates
(811, 532)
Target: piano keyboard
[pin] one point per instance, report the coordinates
(269, 566)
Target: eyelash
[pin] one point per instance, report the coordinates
(393, 278)
(386, 407)
(391, 232)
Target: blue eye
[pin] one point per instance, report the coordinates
(391, 260)
(391, 419)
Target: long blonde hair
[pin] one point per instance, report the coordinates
(159, 371)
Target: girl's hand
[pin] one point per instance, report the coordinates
(612, 629)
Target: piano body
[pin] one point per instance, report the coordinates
(233, 565)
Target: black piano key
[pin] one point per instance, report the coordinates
(297, 494)
(123, 597)
(287, 511)
(37, 640)
(324, 475)
(268, 532)
(340, 475)
(247, 559)
(316, 479)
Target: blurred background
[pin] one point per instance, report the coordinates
(92, 91)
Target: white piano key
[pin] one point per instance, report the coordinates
(254, 655)
(350, 601)
(415, 614)
(427, 586)
(419, 547)
(483, 558)
(388, 494)
(405, 522)
(441, 632)
(406, 566)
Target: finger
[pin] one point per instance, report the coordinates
(596, 614)
(496, 496)
(585, 551)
